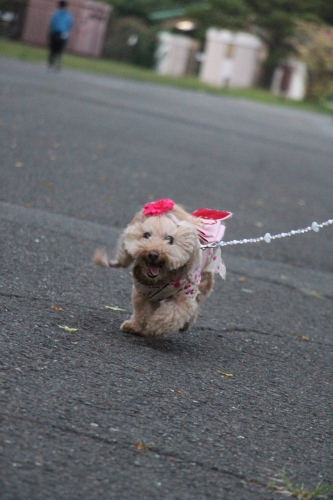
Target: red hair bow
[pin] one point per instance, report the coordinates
(158, 207)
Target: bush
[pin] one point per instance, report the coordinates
(12, 14)
(130, 40)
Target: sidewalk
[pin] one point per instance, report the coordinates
(97, 414)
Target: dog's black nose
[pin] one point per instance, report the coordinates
(153, 255)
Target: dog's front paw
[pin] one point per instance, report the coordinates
(129, 327)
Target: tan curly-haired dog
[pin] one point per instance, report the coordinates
(170, 273)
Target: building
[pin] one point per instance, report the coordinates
(90, 24)
(231, 59)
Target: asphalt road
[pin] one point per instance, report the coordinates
(98, 148)
(92, 413)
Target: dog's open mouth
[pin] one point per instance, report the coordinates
(153, 270)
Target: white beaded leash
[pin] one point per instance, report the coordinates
(268, 238)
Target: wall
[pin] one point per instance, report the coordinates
(90, 23)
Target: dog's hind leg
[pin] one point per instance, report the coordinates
(206, 285)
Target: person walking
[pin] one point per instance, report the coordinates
(60, 25)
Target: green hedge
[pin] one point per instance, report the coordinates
(130, 40)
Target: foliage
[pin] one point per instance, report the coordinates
(283, 485)
(137, 8)
(8, 4)
(273, 20)
(130, 40)
(314, 45)
(142, 8)
(12, 29)
(228, 14)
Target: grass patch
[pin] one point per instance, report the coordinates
(281, 484)
(24, 52)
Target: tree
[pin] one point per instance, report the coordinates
(314, 45)
(142, 8)
(130, 40)
(276, 23)
(132, 36)
(273, 20)
(12, 28)
(228, 14)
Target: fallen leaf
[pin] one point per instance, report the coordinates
(241, 279)
(284, 277)
(303, 337)
(48, 185)
(312, 293)
(56, 308)
(225, 374)
(68, 329)
(19, 164)
(137, 369)
(141, 446)
(115, 308)
(258, 224)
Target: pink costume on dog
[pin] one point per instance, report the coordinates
(211, 260)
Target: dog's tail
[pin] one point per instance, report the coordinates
(100, 257)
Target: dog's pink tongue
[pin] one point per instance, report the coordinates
(153, 270)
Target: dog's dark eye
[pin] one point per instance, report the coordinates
(170, 239)
(147, 235)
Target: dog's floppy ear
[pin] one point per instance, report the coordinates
(138, 217)
(182, 215)
(123, 258)
(195, 258)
